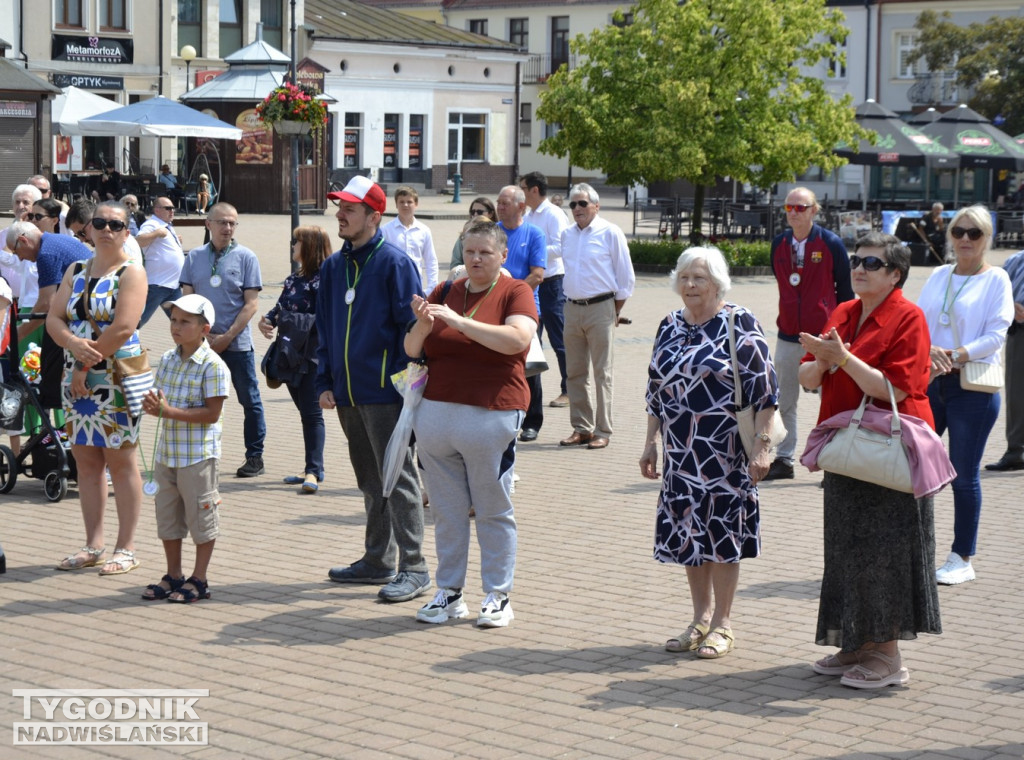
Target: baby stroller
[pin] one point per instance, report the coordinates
(46, 455)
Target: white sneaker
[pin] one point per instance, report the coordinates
(447, 603)
(495, 611)
(955, 571)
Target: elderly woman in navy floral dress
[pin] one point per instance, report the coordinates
(310, 247)
(708, 517)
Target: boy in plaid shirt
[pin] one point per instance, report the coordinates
(191, 385)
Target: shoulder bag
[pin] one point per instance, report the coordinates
(986, 377)
(132, 373)
(745, 414)
(879, 458)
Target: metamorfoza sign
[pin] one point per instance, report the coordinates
(110, 716)
(109, 50)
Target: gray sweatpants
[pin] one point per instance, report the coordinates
(399, 521)
(467, 454)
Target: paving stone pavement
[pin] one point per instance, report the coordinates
(298, 667)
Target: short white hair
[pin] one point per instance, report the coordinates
(20, 229)
(33, 192)
(584, 189)
(713, 259)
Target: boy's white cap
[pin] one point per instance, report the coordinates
(193, 303)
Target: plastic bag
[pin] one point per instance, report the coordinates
(410, 382)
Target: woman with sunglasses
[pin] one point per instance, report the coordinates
(293, 315)
(877, 587)
(480, 208)
(969, 306)
(94, 317)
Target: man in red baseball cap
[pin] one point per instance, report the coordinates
(364, 304)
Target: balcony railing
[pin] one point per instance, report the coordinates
(935, 89)
(539, 67)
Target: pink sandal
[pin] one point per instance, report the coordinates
(892, 672)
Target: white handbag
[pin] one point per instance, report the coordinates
(863, 454)
(745, 415)
(985, 377)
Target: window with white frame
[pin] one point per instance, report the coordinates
(190, 24)
(526, 124)
(837, 64)
(113, 16)
(519, 32)
(907, 66)
(467, 136)
(68, 13)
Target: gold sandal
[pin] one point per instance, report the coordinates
(76, 562)
(689, 639)
(720, 642)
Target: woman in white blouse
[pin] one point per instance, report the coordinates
(969, 306)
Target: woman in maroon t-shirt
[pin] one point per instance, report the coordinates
(474, 336)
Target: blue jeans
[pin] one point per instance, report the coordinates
(552, 319)
(157, 295)
(242, 365)
(312, 417)
(969, 416)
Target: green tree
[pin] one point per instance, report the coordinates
(703, 89)
(987, 57)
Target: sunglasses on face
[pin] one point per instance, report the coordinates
(796, 208)
(973, 233)
(116, 225)
(164, 208)
(39, 217)
(477, 211)
(581, 204)
(293, 242)
(870, 263)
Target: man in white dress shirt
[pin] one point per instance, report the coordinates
(164, 257)
(598, 280)
(553, 222)
(409, 234)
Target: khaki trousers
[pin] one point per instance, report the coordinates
(589, 337)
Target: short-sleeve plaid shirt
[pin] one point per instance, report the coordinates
(187, 384)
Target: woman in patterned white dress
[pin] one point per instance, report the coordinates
(102, 434)
(708, 517)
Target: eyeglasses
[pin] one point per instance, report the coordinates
(164, 208)
(293, 242)
(80, 233)
(870, 263)
(581, 204)
(477, 211)
(116, 225)
(224, 222)
(39, 217)
(973, 233)
(700, 282)
(796, 208)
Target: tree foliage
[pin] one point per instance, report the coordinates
(703, 89)
(988, 58)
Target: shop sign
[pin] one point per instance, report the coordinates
(83, 82)
(17, 109)
(106, 50)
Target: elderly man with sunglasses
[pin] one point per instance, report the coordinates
(164, 257)
(812, 268)
(598, 280)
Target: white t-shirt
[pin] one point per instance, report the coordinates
(164, 257)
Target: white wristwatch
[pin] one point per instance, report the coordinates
(955, 356)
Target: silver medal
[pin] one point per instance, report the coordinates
(944, 318)
(350, 295)
(215, 280)
(794, 279)
(150, 488)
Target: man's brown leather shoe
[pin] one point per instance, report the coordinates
(598, 443)
(577, 439)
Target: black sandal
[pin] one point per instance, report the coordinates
(202, 591)
(158, 592)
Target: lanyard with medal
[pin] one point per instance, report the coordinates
(798, 255)
(350, 290)
(215, 279)
(944, 314)
(150, 487)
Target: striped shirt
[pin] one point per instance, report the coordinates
(187, 384)
(1014, 267)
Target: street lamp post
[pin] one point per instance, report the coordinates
(188, 54)
(295, 145)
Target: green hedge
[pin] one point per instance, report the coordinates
(739, 253)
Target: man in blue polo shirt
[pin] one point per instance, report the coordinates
(526, 261)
